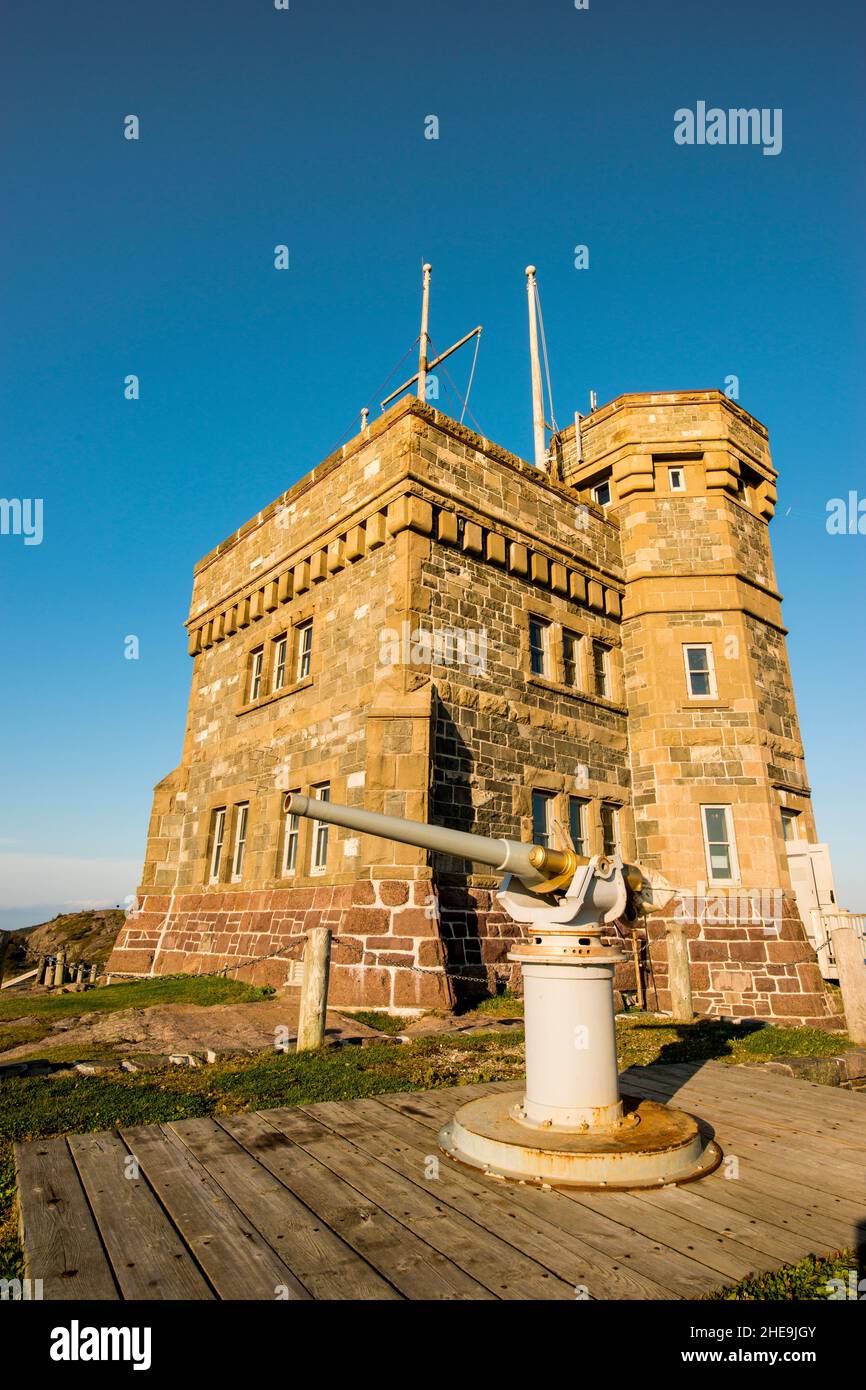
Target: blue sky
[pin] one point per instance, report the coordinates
(306, 127)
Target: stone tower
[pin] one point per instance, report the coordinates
(429, 626)
(719, 781)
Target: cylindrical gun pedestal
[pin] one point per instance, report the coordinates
(571, 1126)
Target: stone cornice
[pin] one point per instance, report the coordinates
(404, 509)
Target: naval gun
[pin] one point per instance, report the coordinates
(570, 1126)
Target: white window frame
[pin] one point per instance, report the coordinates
(548, 798)
(218, 833)
(545, 626)
(569, 635)
(614, 809)
(598, 645)
(257, 669)
(731, 842)
(789, 816)
(291, 842)
(581, 845)
(713, 692)
(676, 469)
(321, 830)
(281, 658)
(242, 819)
(606, 482)
(304, 649)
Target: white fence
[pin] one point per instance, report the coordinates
(824, 923)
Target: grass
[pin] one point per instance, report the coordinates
(504, 1005)
(807, 1280)
(137, 994)
(385, 1023)
(643, 1040)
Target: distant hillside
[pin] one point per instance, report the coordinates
(85, 936)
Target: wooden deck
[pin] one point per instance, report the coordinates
(341, 1201)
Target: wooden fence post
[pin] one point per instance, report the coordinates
(4, 946)
(679, 973)
(638, 980)
(848, 948)
(314, 989)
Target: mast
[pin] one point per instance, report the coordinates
(537, 399)
(424, 348)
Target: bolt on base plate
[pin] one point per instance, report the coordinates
(656, 1146)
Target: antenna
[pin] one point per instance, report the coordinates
(537, 399)
(425, 337)
(424, 364)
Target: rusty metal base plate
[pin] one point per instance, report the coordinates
(657, 1146)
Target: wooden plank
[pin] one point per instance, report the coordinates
(727, 1257)
(774, 1149)
(325, 1264)
(491, 1262)
(805, 1111)
(697, 1204)
(839, 1097)
(686, 1276)
(784, 1205)
(58, 1233)
(488, 1203)
(238, 1262)
(147, 1255)
(353, 1209)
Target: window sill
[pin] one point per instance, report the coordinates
(705, 702)
(274, 695)
(559, 688)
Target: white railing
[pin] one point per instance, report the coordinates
(824, 923)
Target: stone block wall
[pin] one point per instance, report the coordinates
(746, 968)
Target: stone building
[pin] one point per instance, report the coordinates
(429, 626)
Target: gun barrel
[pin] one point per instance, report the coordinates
(532, 864)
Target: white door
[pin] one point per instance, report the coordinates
(815, 892)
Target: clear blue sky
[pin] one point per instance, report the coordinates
(306, 127)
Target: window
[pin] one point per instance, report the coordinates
(719, 843)
(577, 823)
(290, 845)
(676, 480)
(542, 818)
(280, 650)
(790, 824)
(257, 661)
(242, 813)
(744, 493)
(218, 834)
(570, 658)
(609, 828)
(320, 833)
(700, 671)
(304, 648)
(600, 674)
(538, 644)
(601, 494)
